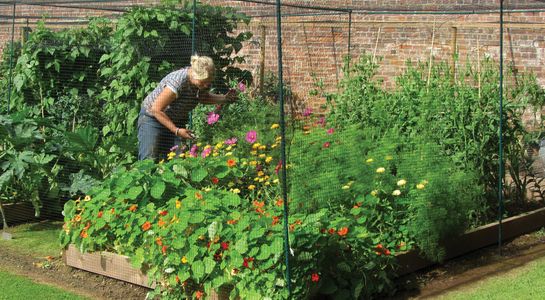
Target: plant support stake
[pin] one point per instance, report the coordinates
(11, 56)
(283, 145)
(500, 183)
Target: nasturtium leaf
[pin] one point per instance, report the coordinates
(264, 253)
(209, 265)
(198, 174)
(212, 229)
(134, 192)
(198, 269)
(138, 258)
(180, 170)
(158, 189)
(242, 245)
(196, 217)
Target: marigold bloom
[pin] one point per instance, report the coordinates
(236, 191)
(146, 226)
(164, 249)
(268, 159)
(401, 182)
(231, 222)
(260, 173)
(276, 220)
(262, 155)
(315, 277)
(274, 126)
(251, 187)
(171, 155)
(77, 218)
(184, 260)
(343, 231)
(161, 223)
(231, 163)
(279, 202)
(381, 170)
(198, 196)
(159, 241)
(332, 230)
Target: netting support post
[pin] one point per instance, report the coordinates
(283, 145)
(193, 34)
(349, 37)
(12, 50)
(500, 150)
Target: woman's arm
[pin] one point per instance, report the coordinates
(166, 97)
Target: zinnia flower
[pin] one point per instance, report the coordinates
(321, 121)
(146, 226)
(369, 160)
(327, 144)
(330, 130)
(193, 150)
(231, 141)
(315, 277)
(231, 163)
(251, 136)
(307, 112)
(133, 207)
(206, 152)
(213, 118)
(343, 231)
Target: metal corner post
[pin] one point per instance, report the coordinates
(500, 150)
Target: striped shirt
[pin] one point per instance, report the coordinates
(186, 97)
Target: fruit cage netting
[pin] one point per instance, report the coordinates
(381, 126)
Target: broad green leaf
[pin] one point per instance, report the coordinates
(242, 245)
(264, 253)
(198, 174)
(158, 189)
(198, 269)
(134, 192)
(209, 265)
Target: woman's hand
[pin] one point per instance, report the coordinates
(184, 133)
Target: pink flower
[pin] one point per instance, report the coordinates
(231, 141)
(307, 112)
(206, 152)
(251, 136)
(327, 144)
(321, 121)
(241, 87)
(213, 118)
(193, 150)
(173, 148)
(330, 130)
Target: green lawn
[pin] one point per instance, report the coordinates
(14, 287)
(35, 239)
(527, 282)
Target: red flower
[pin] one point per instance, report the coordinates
(159, 241)
(387, 252)
(100, 214)
(332, 230)
(112, 211)
(247, 261)
(278, 167)
(379, 247)
(164, 250)
(146, 226)
(315, 277)
(343, 231)
(231, 163)
(276, 220)
(225, 245)
(163, 213)
(327, 144)
(215, 180)
(83, 233)
(177, 279)
(279, 202)
(199, 294)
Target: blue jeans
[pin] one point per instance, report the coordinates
(154, 139)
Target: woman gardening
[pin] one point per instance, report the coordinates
(165, 111)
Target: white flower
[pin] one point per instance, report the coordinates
(402, 182)
(396, 193)
(381, 170)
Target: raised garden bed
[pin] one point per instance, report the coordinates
(475, 239)
(118, 266)
(18, 213)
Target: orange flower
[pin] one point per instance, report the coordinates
(100, 214)
(343, 231)
(83, 233)
(112, 211)
(77, 218)
(161, 223)
(133, 207)
(198, 196)
(279, 202)
(164, 250)
(163, 213)
(231, 163)
(159, 241)
(276, 220)
(146, 226)
(199, 294)
(231, 222)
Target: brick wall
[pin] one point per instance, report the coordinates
(316, 44)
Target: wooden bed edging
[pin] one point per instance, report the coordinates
(107, 264)
(477, 238)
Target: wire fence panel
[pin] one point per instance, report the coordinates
(227, 162)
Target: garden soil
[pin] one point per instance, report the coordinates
(463, 271)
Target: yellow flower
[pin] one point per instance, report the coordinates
(184, 260)
(261, 179)
(425, 181)
(182, 155)
(389, 157)
(87, 198)
(263, 147)
(256, 146)
(251, 187)
(381, 170)
(219, 145)
(268, 159)
(178, 203)
(369, 160)
(229, 148)
(374, 193)
(256, 179)
(274, 126)
(230, 184)
(262, 155)
(276, 180)
(236, 191)
(162, 161)
(401, 182)
(228, 153)
(396, 193)
(260, 173)
(267, 183)
(171, 155)
(278, 138)
(345, 187)
(199, 144)
(207, 190)
(253, 163)
(274, 146)
(215, 154)
(253, 152)
(420, 186)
